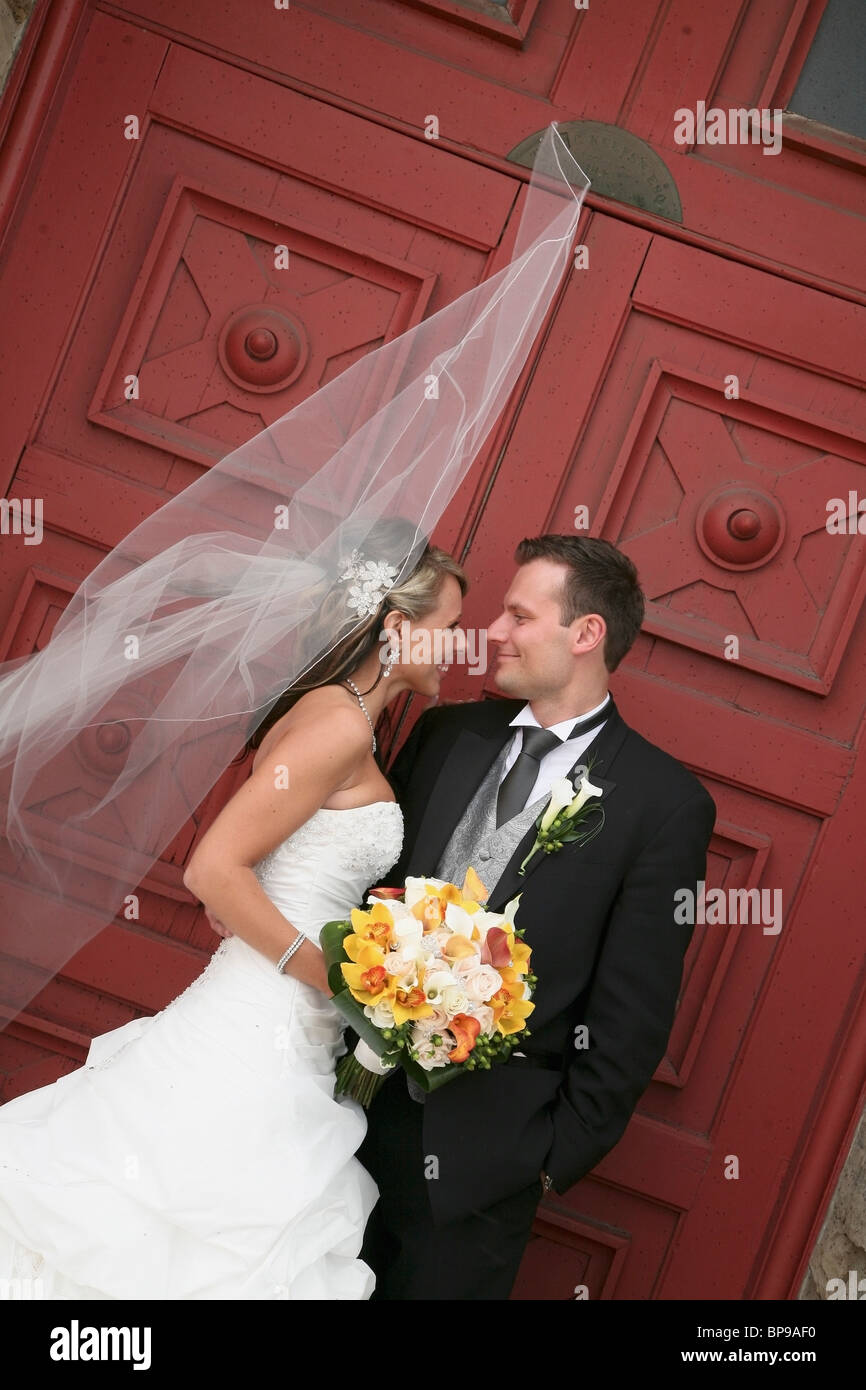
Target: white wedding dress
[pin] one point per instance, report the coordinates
(200, 1153)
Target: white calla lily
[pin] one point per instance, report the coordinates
(459, 920)
(436, 983)
(561, 794)
(585, 792)
(409, 931)
(511, 909)
(491, 919)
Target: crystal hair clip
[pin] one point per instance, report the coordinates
(372, 580)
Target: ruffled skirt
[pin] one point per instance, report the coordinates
(198, 1154)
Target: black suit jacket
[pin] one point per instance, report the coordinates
(605, 947)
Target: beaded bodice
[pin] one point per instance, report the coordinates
(322, 870)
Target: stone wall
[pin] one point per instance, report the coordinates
(841, 1245)
(14, 15)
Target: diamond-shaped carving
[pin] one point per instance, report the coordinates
(722, 505)
(225, 330)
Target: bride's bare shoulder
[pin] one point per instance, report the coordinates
(329, 708)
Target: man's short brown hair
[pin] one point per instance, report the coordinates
(598, 579)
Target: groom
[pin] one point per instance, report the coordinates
(461, 1174)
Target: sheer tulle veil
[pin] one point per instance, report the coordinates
(115, 731)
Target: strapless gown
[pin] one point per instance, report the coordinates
(201, 1153)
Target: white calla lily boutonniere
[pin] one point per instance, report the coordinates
(570, 816)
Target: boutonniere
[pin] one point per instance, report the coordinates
(571, 815)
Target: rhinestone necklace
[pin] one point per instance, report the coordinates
(364, 708)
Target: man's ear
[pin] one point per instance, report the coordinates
(590, 631)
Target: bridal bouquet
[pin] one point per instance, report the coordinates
(430, 980)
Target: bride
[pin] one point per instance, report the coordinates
(201, 1153)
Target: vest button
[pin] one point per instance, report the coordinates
(484, 854)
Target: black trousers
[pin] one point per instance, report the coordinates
(413, 1257)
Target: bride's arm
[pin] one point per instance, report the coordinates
(314, 758)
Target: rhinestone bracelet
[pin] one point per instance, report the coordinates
(287, 955)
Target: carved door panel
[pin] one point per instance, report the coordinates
(159, 327)
(703, 416)
(237, 246)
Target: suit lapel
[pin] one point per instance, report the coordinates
(601, 752)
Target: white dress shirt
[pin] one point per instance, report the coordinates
(559, 761)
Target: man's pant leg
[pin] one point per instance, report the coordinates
(476, 1257)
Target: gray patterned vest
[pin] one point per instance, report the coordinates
(476, 840)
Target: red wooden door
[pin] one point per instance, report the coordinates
(304, 128)
(173, 257)
(644, 438)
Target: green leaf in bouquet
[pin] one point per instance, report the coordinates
(331, 939)
(430, 1080)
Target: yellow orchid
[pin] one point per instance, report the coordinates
(411, 1003)
(450, 893)
(366, 976)
(511, 979)
(430, 911)
(520, 953)
(432, 907)
(354, 945)
(513, 1018)
(376, 925)
(510, 1009)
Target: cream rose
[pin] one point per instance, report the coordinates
(485, 1017)
(455, 999)
(431, 1054)
(480, 982)
(403, 963)
(381, 1014)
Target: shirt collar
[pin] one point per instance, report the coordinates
(564, 727)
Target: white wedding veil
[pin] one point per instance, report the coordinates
(113, 733)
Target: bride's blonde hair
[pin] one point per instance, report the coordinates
(415, 596)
